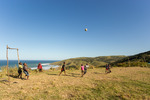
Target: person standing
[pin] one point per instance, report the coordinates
(85, 68)
(40, 67)
(25, 70)
(20, 70)
(63, 69)
(82, 70)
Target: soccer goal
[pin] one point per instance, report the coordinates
(8, 48)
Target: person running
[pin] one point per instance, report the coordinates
(20, 70)
(25, 70)
(82, 70)
(40, 67)
(109, 66)
(85, 68)
(106, 68)
(63, 69)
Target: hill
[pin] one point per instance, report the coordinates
(92, 61)
(141, 59)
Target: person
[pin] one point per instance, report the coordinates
(106, 68)
(25, 70)
(109, 66)
(63, 69)
(82, 70)
(40, 67)
(85, 68)
(20, 70)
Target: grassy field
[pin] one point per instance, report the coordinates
(131, 83)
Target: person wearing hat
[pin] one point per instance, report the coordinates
(39, 67)
(20, 70)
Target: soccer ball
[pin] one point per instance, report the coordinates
(85, 29)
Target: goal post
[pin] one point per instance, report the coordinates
(8, 62)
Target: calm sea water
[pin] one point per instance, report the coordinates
(31, 63)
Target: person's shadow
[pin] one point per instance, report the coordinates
(73, 74)
(53, 74)
(98, 73)
(67, 74)
(4, 81)
(13, 76)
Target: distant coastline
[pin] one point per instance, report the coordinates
(31, 63)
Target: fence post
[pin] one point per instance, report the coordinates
(7, 64)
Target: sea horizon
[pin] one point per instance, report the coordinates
(30, 63)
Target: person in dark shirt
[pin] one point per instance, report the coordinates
(63, 69)
(85, 68)
(108, 68)
(25, 70)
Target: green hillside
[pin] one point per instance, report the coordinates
(141, 59)
(92, 61)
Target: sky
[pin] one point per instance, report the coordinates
(54, 29)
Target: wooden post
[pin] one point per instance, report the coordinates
(7, 64)
(7, 60)
(18, 56)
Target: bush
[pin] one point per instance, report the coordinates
(70, 67)
(91, 67)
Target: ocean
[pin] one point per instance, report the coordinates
(31, 63)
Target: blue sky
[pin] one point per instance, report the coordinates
(54, 29)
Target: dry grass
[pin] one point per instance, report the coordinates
(122, 83)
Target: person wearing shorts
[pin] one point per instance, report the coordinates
(20, 70)
(63, 69)
(25, 70)
(109, 66)
(82, 70)
(85, 68)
